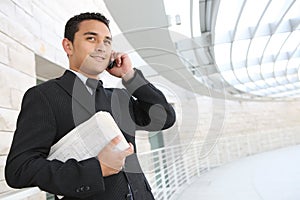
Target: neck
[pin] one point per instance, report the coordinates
(93, 76)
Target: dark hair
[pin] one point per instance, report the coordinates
(72, 26)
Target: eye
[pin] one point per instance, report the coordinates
(91, 39)
(107, 42)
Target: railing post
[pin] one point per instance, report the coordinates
(162, 174)
(174, 169)
(196, 157)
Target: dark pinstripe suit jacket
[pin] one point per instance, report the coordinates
(52, 109)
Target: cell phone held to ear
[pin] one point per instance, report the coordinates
(111, 64)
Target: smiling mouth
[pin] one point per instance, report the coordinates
(98, 58)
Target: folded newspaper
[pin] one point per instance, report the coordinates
(87, 139)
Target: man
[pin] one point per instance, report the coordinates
(50, 110)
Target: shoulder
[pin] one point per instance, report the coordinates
(45, 86)
(52, 84)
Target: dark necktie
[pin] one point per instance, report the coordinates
(101, 102)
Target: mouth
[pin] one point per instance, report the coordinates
(98, 58)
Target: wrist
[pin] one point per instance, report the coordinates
(129, 75)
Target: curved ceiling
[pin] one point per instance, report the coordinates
(145, 26)
(247, 48)
(256, 46)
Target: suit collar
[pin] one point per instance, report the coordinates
(77, 90)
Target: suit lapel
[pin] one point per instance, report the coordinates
(77, 90)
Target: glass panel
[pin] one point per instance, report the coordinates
(239, 53)
(281, 80)
(196, 19)
(271, 82)
(226, 19)
(290, 86)
(242, 75)
(251, 85)
(263, 92)
(257, 61)
(275, 11)
(293, 63)
(280, 65)
(254, 72)
(229, 76)
(293, 78)
(181, 8)
(222, 54)
(261, 84)
(247, 18)
(275, 44)
(290, 45)
(241, 87)
(257, 47)
(267, 68)
(294, 10)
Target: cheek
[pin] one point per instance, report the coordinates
(82, 53)
(108, 49)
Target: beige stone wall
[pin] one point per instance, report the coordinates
(203, 119)
(29, 28)
(17, 74)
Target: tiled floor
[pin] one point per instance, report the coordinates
(272, 175)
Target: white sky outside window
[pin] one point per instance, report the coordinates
(196, 19)
(222, 52)
(182, 8)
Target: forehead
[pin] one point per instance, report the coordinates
(93, 26)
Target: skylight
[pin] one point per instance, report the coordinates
(257, 46)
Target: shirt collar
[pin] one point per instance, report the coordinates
(83, 78)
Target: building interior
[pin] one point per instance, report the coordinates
(230, 69)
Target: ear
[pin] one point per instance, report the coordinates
(68, 46)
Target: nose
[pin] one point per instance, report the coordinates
(100, 48)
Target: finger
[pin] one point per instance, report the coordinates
(129, 150)
(115, 141)
(112, 55)
(119, 59)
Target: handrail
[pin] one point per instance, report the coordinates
(171, 169)
(20, 194)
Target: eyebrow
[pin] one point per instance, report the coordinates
(96, 34)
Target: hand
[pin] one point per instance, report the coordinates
(123, 67)
(111, 159)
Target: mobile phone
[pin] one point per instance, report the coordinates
(111, 64)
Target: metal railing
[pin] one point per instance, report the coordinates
(170, 170)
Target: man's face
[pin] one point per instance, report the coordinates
(91, 48)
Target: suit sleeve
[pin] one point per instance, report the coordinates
(27, 163)
(148, 105)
